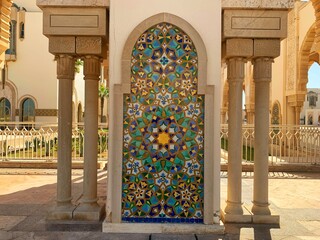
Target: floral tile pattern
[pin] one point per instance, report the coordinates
(163, 149)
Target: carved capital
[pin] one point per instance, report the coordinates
(262, 69)
(65, 66)
(92, 67)
(236, 69)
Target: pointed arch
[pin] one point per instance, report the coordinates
(276, 117)
(175, 20)
(305, 60)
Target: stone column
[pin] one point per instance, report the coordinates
(235, 80)
(65, 75)
(262, 78)
(89, 208)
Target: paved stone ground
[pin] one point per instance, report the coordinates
(26, 195)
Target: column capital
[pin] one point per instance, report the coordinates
(65, 66)
(92, 67)
(236, 69)
(262, 71)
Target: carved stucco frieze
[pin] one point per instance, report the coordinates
(316, 5)
(89, 45)
(62, 45)
(292, 52)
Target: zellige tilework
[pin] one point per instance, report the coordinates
(163, 136)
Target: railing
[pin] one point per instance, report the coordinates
(39, 141)
(287, 144)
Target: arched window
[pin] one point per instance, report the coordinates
(21, 35)
(12, 46)
(275, 117)
(5, 110)
(28, 110)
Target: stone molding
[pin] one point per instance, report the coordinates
(75, 21)
(72, 3)
(65, 66)
(254, 24)
(78, 46)
(273, 4)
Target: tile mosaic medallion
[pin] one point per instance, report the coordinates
(163, 154)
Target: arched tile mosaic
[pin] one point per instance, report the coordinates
(163, 149)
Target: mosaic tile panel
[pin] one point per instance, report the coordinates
(163, 149)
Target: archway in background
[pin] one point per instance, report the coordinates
(5, 110)
(28, 112)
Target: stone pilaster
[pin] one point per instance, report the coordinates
(65, 75)
(89, 208)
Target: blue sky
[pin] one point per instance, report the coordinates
(314, 76)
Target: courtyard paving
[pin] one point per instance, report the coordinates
(26, 195)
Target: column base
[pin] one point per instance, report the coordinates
(261, 208)
(89, 212)
(237, 217)
(162, 228)
(63, 212)
(249, 217)
(266, 219)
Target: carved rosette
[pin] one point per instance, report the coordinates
(92, 68)
(262, 71)
(65, 66)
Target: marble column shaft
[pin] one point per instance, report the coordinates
(65, 75)
(92, 66)
(262, 78)
(235, 80)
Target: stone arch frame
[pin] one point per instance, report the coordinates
(211, 170)
(13, 99)
(304, 59)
